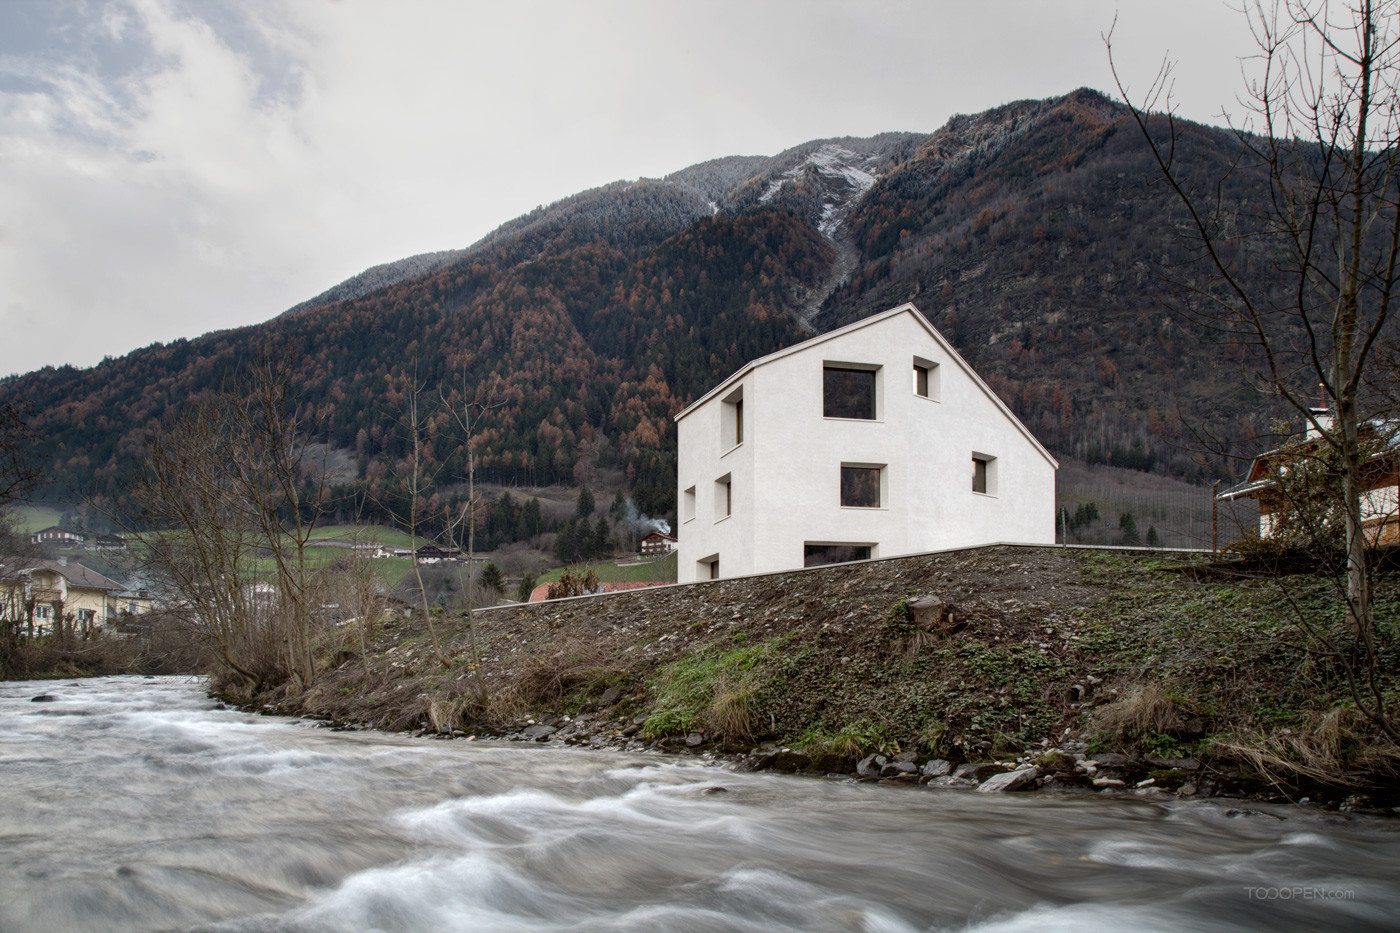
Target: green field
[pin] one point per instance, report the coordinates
(366, 534)
(32, 518)
(658, 571)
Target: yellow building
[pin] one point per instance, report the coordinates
(37, 592)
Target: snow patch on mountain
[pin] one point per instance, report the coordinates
(843, 177)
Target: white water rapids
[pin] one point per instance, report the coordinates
(137, 804)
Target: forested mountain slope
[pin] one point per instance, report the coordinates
(1028, 234)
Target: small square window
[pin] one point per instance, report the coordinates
(848, 393)
(860, 486)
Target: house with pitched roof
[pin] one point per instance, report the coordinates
(42, 591)
(872, 440)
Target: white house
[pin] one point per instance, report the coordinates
(873, 440)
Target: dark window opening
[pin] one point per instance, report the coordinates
(818, 555)
(860, 487)
(921, 380)
(979, 474)
(739, 422)
(848, 393)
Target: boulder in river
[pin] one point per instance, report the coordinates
(1020, 779)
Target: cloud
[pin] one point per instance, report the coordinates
(168, 167)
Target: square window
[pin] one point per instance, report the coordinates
(848, 393)
(860, 486)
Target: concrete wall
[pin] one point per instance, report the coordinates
(786, 474)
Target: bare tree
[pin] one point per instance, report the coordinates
(1323, 129)
(20, 473)
(223, 485)
(201, 544)
(417, 481)
(467, 414)
(270, 434)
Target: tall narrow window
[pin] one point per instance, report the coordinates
(724, 497)
(714, 569)
(731, 419)
(860, 486)
(848, 393)
(984, 474)
(688, 504)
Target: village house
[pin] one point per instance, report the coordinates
(657, 544)
(59, 537)
(52, 587)
(1380, 495)
(873, 440)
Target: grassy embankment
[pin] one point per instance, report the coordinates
(1138, 654)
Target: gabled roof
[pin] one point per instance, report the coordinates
(1258, 479)
(76, 574)
(873, 321)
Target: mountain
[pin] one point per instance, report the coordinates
(1032, 235)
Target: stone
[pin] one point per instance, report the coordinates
(895, 769)
(937, 767)
(610, 696)
(44, 698)
(1020, 779)
(906, 756)
(1055, 761)
(870, 766)
(759, 762)
(694, 739)
(1109, 782)
(539, 732)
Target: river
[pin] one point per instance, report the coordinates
(139, 804)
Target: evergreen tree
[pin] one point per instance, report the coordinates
(1127, 530)
(599, 545)
(585, 503)
(526, 587)
(491, 579)
(530, 522)
(566, 544)
(1153, 540)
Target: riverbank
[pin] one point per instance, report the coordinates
(1073, 668)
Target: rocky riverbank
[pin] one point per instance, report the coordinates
(1008, 667)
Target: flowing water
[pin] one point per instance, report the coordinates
(137, 804)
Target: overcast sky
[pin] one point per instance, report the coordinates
(171, 167)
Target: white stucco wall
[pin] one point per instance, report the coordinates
(786, 474)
